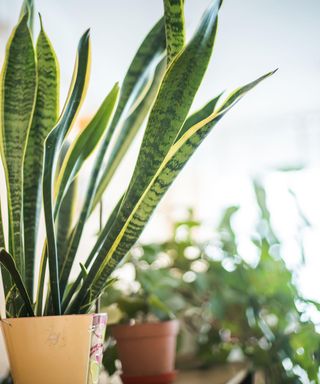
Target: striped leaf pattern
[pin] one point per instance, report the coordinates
(44, 118)
(172, 105)
(175, 33)
(18, 92)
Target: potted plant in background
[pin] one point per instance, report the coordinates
(229, 309)
(161, 83)
(146, 331)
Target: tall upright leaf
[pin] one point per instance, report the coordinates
(151, 47)
(65, 218)
(100, 123)
(84, 144)
(149, 51)
(65, 221)
(44, 117)
(52, 146)
(129, 130)
(176, 94)
(138, 92)
(18, 92)
(174, 21)
(110, 254)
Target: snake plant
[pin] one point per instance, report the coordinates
(41, 165)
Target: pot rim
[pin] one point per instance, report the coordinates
(145, 330)
(54, 316)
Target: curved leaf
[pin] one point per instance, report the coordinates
(44, 117)
(18, 91)
(196, 117)
(9, 263)
(52, 145)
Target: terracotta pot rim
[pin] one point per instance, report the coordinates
(145, 330)
(149, 323)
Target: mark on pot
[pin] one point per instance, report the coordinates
(55, 339)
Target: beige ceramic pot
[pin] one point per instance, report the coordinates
(55, 349)
(147, 351)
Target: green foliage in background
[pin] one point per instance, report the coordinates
(159, 88)
(225, 305)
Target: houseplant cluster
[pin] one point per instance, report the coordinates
(226, 311)
(46, 311)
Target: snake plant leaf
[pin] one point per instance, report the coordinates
(102, 235)
(65, 221)
(9, 263)
(28, 8)
(175, 31)
(100, 123)
(6, 278)
(44, 117)
(2, 238)
(176, 94)
(84, 144)
(129, 129)
(150, 49)
(66, 212)
(133, 123)
(136, 97)
(18, 92)
(178, 88)
(111, 254)
(196, 117)
(52, 145)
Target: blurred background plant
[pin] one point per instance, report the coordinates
(230, 309)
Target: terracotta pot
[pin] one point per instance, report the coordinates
(55, 349)
(147, 351)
